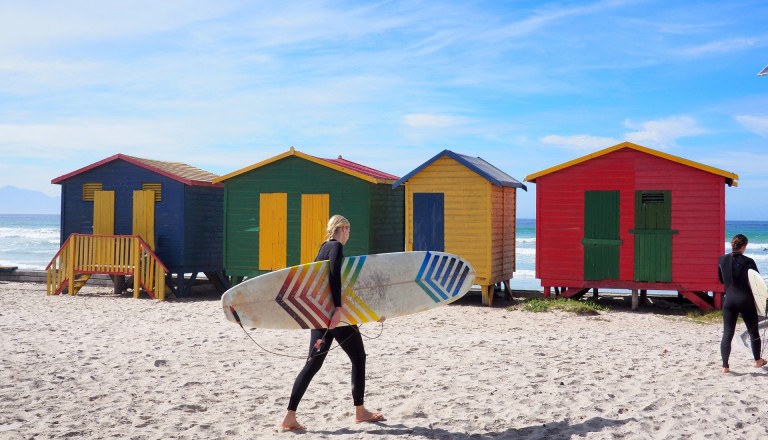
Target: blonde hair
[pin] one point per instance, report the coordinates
(335, 222)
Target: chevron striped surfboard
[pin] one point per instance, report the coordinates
(373, 286)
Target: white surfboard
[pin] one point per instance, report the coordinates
(759, 290)
(373, 286)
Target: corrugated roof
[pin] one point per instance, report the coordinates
(731, 179)
(368, 171)
(181, 172)
(476, 164)
(340, 164)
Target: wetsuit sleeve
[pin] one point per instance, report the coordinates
(720, 274)
(335, 255)
(721, 261)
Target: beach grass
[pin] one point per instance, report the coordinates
(538, 305)
(705, 317)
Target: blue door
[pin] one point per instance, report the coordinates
(428, 222)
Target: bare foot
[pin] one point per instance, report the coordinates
(290, 423)
(760, 363)
(726, 370)
(292, 428)
(368, 416)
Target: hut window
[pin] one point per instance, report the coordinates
(156, 187)
(654, 197)
(89, 189)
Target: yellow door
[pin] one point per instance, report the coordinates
(314, 218)
(103, 212)
(144, 216)
(273, 231)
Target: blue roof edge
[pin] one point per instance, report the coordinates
(462, 160)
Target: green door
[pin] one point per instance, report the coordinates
(601, 235)
(653, 236)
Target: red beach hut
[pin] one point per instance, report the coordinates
(629, 217)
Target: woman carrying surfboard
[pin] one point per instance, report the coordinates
(732, 270)
(320, 339)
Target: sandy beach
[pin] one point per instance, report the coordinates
(98, 365)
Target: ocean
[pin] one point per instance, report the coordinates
(28, 241)
(31, 241)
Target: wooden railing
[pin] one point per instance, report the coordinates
(83, 254)
(151, 273)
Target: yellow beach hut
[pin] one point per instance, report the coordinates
(466, 206)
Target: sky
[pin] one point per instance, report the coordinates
(526, 85)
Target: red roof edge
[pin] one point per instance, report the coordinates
(362, 169)
(131, 160)
(60, 179)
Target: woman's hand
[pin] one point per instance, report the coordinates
(335, 318)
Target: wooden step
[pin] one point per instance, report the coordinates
(80, 280)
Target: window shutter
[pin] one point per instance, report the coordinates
(89, 189)
(156, 187)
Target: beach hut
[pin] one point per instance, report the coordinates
(629, 217)
(175, 208)
(466, 206)
(276, 211)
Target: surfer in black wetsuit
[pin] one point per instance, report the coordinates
(320, 340)
(732, 270)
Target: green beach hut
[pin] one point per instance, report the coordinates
(276, 211)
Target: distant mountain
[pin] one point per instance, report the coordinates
(24, 201)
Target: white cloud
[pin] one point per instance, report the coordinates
(547, 15)
(44, 140)
(579, 141)
(45, 23)
(426, 120)
(756, 124)
(281, 24)
(723, 46)
(662, 133)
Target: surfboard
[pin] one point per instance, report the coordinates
(760, 328)
(759, 290)
(373, 286)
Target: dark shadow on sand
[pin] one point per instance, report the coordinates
(200, 292)
(553, 431)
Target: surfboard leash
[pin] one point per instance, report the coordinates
(762, 338)
(237, 319)
(339, 343)
(319, 343)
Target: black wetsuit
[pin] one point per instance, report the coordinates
(732, 270)
(348, 336)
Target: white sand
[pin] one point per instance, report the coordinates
(103, 366)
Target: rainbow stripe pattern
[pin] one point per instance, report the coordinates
(306, 296)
